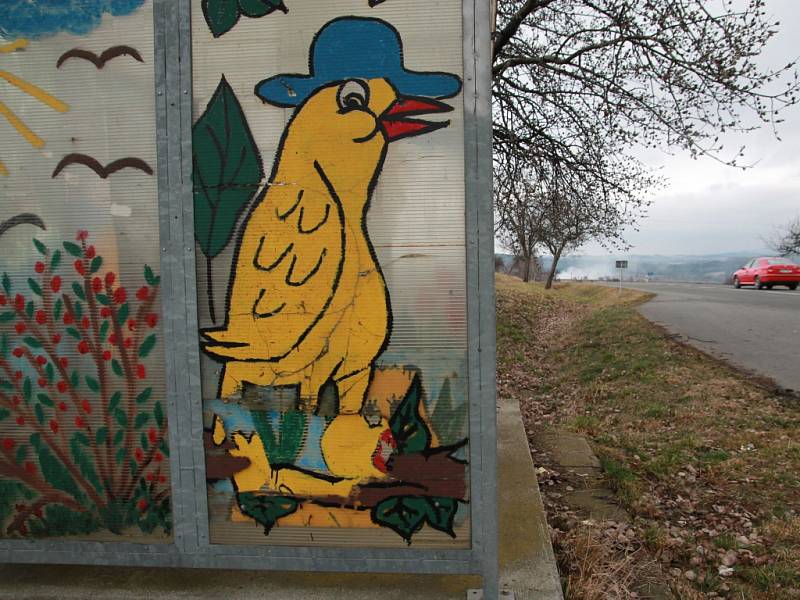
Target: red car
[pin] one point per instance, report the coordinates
(765, 272)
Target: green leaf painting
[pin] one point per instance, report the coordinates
(406, 515)
(144, 396)
(449, 419)
(114, 401)
(407, 425)
(54, 471)
(35, 287)
(222, 15)
(283, 443)
(226, 173)
(101, 436)
(158, 414)
(150, 276)
(84, 462)
(141, 420)
(266, 510)
(73, 249)
(40, 247)
(147, 346)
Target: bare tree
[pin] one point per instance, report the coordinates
(541, 204)
(787, 240)
(578, 85)
(652, 73)
(571, 210)
(516, 218)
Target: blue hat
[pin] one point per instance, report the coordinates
(356, 47)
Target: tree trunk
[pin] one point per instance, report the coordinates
(527, 276)
(552, 274)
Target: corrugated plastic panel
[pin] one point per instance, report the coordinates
(332, 273)
(83, 450)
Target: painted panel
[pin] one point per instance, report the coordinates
(83, 450)
(330, 239)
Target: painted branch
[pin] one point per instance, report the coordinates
(24, 513)
(50, 350)
(129, 478)
(220, 464)
(148, 459)
(444, 476)
(103, 405)
(37, 483)
(57, 450)
(224, 466)
(371, 494)
(100, 364)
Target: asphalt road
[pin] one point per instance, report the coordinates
(758, 330)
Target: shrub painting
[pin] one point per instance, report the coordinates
(83, 436)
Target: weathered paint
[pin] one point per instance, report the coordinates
(83, 448)
(308, 318)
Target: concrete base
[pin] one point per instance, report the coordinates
(527, 566)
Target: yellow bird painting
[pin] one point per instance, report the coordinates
(308, 305)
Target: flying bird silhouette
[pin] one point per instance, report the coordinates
(22, 219)
(99, 61)
(102, 171)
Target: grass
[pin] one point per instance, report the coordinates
(689, 445)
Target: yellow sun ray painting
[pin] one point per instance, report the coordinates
(30, 89)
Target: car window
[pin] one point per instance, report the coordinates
(779, 261)
(749, 265)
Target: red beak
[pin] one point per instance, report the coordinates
(397, 125)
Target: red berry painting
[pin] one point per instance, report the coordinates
(83, 435)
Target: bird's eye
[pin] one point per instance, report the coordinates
(353, 95)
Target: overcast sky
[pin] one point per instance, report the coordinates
(707, 207)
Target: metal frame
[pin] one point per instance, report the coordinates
(191, 547)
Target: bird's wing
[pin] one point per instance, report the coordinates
(287, 270)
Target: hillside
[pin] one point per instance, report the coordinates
(708, 268)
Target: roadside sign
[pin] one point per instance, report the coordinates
(621, 264)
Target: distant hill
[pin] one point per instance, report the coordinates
(711, 268)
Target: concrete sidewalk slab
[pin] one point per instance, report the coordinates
(527, 565)
(573, 455)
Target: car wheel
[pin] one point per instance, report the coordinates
(792, 286)
(736, 283)
(757, 283)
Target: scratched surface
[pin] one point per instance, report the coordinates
(334, 325)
